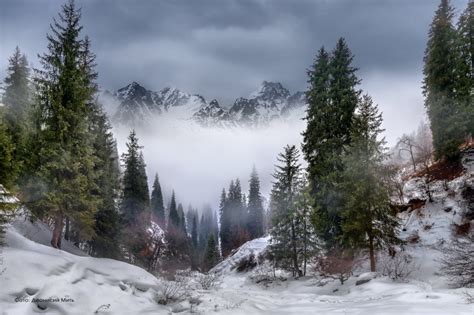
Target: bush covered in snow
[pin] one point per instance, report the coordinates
(337, 265)
(397, 267)
(263, 273)
(209, 280)
(458, 261)
(171, 291)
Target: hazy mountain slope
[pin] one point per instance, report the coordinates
(134, 105)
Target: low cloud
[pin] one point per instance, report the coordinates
(198, 162)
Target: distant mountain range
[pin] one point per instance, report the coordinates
(134, 105)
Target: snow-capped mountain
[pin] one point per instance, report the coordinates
(138, 106)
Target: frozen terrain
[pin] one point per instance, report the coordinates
(65, 283)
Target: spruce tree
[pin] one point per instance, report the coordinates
(8, 169)
(156, 203)
(173, 220)
(64, 175)
(194, 231)
(106, 241)
(255, 207)
(211, 256)
(465, 69)
(135, 195)
(179, 253)
(285, 245)
(135, 203)
(226, 221)
(182, 219)
(439, 84)
(369, 221)
(17, 101)
(332, 97)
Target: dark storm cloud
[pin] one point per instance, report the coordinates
(224, 49)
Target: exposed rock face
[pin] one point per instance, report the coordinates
(137, 106)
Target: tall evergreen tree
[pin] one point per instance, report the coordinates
(173, 220)
(439, 85)
(255, 207)
(332, 97)
(17, 92)
(465, 69)
(8, 169)
(179, 252)
(285, 246)
(135, 194)
(211, 256)
(17, 101)
(182, 219)
(106, 241)
(157, 206)
(369, 221)
(226, 221)
(135, 203)
(64, 172)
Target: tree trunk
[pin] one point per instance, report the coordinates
(372, 254)
(296, 269)
(305, 248)
(66, 232)
(413, 161)
(57, 231)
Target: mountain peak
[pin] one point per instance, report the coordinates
(270, 91)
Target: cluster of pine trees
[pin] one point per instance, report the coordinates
(58, 154)
(341, 205)
(241, 218)
(449, 79)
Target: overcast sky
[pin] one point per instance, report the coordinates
(224, 49)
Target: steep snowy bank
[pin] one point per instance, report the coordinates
(75, 285)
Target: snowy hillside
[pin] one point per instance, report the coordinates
(64, 283)
(134, 105)
(39, 279)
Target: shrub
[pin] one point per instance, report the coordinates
(458, 261)
(337, 265)
(171, 291)
(209, 281)
(397, 267)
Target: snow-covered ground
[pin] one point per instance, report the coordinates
(104, 286)
(76, 284)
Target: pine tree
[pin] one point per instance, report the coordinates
(179, 253)
(157, 206)
(135, 203)
(17, 101)
(182, 219)
(255, 207)
(369, 221)
(211, 256)
(8, 168)
(194, 235)
(332, 98)
(107, 228)
(17, 93)
(173, 220)
(225, 220)
(64, 171)
(135, 195)
(439, 85)
(465, 69)
(285, 246)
